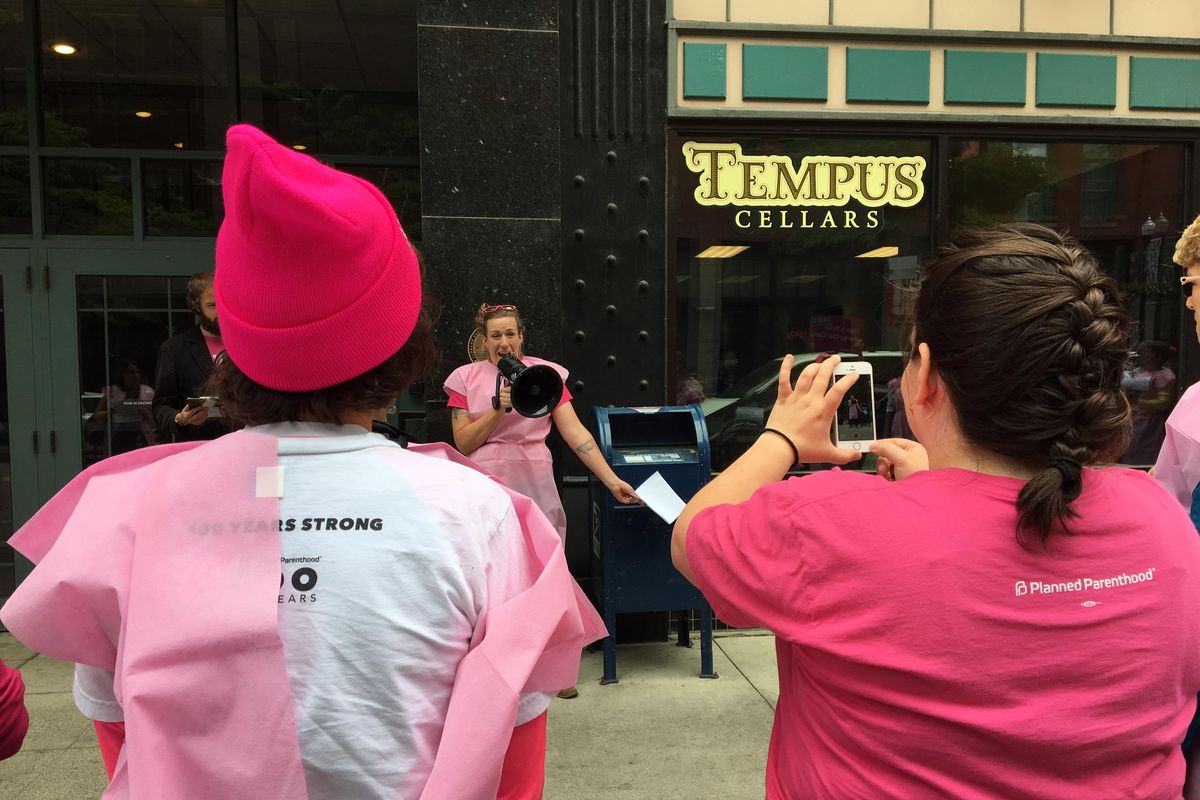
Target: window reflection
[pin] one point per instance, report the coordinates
(88, 196)
(16, 208)
(182, 198)
(331, 76)
(122, 320)
(1124, 201)
(753, 283)
(141, 75)
(14, 125)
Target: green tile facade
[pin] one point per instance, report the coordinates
(887, 76)
(703, 71)
(785, 72)
(1164, 83)
(985, 78)
(1076, 80)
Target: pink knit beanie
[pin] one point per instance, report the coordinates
(315, 281)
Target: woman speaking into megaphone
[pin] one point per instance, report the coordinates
(512, 446)
(509, 444)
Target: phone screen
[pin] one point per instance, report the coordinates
(856, 413)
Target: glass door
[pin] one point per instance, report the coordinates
(21, 439)
(111, 310)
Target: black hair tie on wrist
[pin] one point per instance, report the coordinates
(1072, 475)
(788, 439)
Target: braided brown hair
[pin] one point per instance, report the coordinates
(1031, 341)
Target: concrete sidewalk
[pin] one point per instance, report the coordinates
(660, 733)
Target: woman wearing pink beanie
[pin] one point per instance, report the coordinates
(303, 609)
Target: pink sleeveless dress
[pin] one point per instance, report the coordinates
(516, 452)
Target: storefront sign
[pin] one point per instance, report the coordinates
(766, 189)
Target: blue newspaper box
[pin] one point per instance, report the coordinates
(631, 545)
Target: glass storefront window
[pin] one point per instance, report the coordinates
(129, 73)
(122, 321)
(16, 208)
(335, 76)
(1124, 201)
(88, 196)
(802, 257)
(182, 198)
(14, 124)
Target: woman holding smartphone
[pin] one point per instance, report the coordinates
(1002, 620)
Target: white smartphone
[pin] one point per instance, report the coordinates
(854, 425)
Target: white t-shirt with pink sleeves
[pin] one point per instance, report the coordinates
(923, 653)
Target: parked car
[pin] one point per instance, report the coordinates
(736, 417)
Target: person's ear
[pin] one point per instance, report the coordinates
(928, 382)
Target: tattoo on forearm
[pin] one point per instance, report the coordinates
(457, 413)
(586, 447)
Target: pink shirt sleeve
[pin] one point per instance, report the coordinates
(566, 397)
(456, 400)
(749, 561)
(456, 383)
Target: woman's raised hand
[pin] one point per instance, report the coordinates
(899, 458)
(804, 412)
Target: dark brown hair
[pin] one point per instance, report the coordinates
(195, 290)
(249, 403)
(1030, 339)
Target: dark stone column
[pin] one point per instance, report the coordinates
(490, 178)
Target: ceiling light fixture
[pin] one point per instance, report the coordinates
(179, 145)
(64, 49)
(723, 251)
(299, 147)
(880, 252)
(143, 114)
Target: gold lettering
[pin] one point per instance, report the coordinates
(839, 173)
(726, 176)
(764, 219)
(851, 219)
(712, 170)
(737, 218)
(783, 219)
(873, 218)
(864, 177)
(806, 177)
(748, 180)
(908, 176)
(828, 221)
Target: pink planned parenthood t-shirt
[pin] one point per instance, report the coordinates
(923, 653)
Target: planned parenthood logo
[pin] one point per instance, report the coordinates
(1025, 588)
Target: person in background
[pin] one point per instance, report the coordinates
(1152, 404)
(14, 718)
(895, 424)
(1005, 619)
(125, 410)
(1178, 464)
(303, 608)
(184, 364)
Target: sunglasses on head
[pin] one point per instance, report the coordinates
(502, 307)
(1187, 280)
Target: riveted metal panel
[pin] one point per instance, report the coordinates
(613, 201)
